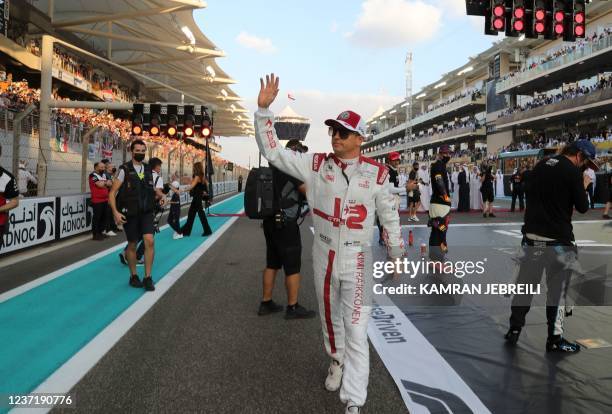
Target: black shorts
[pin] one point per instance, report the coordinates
(487, 196)
(136, 226)
(416, 197)
(283, 247)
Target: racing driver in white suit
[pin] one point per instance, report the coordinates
(345, 191)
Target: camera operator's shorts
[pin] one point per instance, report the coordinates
(283, 246)
(136, 226)
(415, 198)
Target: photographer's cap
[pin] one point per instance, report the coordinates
(175, 184)
(588, 150)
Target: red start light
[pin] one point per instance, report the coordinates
(579, 31)
(519, 25)
(559, 16)
(539, 27)
(559, 28)
(519, 12)
(579, 18)
(498, 23)
(540, 14)
(499, 11)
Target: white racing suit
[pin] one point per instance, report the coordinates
(344, 209)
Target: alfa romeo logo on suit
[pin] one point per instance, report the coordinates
(46, 220)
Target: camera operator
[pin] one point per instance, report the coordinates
(284, 243)
(132, 200)
(160, 198)
(414, 196)
(555, 187)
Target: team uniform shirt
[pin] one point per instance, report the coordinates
(98, 194)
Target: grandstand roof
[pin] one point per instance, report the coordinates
(159, 39)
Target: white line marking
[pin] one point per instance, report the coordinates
(44, 279)
(73, 370)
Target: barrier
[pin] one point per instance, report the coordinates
(39, 220)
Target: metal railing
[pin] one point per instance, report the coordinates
(585, 51)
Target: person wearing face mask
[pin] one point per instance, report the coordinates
(555, 188)
(132, 199)
(99, 200)
(414, 196)
(440, 205)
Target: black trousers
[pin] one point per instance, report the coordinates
(535, 261)
(591, 194)
(109, 222)
(196, 207)
(174, 218)
(437, 237)
(98, 222)
(520, 195)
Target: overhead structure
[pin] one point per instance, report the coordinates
(162, 41)
(289, 125)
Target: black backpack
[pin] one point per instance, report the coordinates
(259, 193)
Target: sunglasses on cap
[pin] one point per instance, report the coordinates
(343, 133)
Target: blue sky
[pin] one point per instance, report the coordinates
(336, 55)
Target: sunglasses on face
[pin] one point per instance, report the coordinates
(343, 133)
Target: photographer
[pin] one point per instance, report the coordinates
(132, 200)
(284, 243)
(414, 196)
(555, 187)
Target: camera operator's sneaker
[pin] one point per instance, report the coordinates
(177, 236)
(297, 311)
(122, 258)
(351, 408)
(415, 218)
(148, 285)
(334, 376)
(562, 345)
(111, 233)
(268, 307)
(135, 281)
(512, 335)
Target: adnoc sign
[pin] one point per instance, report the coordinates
(31, 223)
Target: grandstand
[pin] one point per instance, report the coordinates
(519, 93)
(138, 52)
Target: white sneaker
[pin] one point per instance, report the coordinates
(177, 236)
(411, 218)
(415, 218)
(334, 376)
(110, 233)
(351, 408)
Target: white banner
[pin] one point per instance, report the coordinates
(427, 383)
(31, 223)
(75, 213)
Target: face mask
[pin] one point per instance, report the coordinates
(139, 157)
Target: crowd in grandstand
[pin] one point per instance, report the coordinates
(571, 93)
(566, 49)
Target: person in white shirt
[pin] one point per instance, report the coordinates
(591, 187)
(424, 187)
(475, 196)
(455, 181)
(24, 177)
(499, 184)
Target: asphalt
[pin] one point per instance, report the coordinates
(202, 348)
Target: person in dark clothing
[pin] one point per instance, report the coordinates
(414, 196)
(516, 181)
(439, 207)
(240, 184)
(487, 191)
(99, 200)
(556, 187)
(284, 243)
(132, 200)
(198, 189)
(9, 199)
(110, 228)
(464, 191)
(609, 203)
